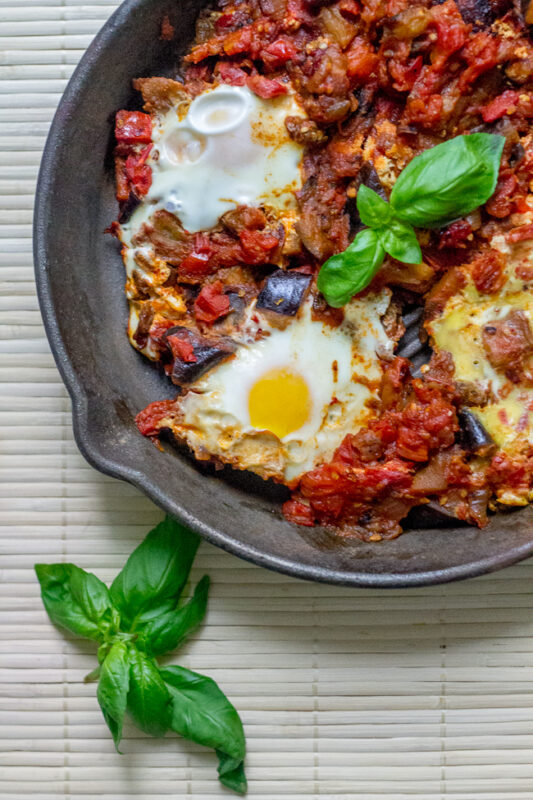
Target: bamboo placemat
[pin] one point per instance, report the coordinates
(372, 695)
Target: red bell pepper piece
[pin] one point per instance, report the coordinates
(133, 127)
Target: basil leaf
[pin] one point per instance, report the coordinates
(347, 273)
(167, 631)
(113, 688)
(155, 573)
(448, 181)
(149, 702)
(373, 210)
(77, 600)
(202, 712)
(231, 773)
(399, 240)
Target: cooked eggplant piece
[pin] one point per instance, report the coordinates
(369, 176)
(517, 153)
(284, 292)
(146, 316)
(128, 207)
(432, 515)
(482, 13)
(194, 354)
(365, 98)
(305, 131)
(411, 345)
(473, 436)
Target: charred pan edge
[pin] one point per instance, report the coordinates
(122, 468)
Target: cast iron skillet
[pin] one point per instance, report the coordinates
(80, 283)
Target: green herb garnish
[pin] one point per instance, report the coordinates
(135, 620)
(439, 186)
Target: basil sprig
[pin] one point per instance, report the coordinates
(138, 618)
(440, 185)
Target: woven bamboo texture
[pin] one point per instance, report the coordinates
(421, 694)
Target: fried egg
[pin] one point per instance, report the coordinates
(229, 148)
(287, 398)
(508, 415)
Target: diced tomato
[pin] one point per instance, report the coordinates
(329, 507)
(138, 173)
(239, 41)
(452, 32)
(501, 203)
(213, 47)
(158, 330)
(351, 7)
(149, 419)
(426, 111)
(502, 416)
(411, 445)
(455, 234)
(524, 271)
(298, 13)
(279, 52)
(197, 73)
(363, 62)
(405, 75)
(211, 303)
(299, 513)
(133, 127)
(394, 378)
(265, 87)
(181, 348)
(505, 103)
(387, 428)
(505, 471)
(481, 54)
(121, 180)
(522, 203)
(141, 179)
(425, 427)
(451, 37)
(520, 234)
(195, 265)
(228, 72)
(327, 480)
(225, 21)
(487, 272)
(257, 246)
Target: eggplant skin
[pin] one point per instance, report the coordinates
(127, 207)
(284, 292)
(473, 436)
(482, 13)
(432, 515)
(207, 352)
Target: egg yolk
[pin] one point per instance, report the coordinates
(279, 402)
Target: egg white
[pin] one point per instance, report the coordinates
(230, 148)
(458, 331)
(340, 366)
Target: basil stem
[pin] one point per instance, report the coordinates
(347, 273)
(141, 617)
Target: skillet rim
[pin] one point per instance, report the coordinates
(119, 468)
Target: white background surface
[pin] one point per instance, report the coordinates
(372, 695)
